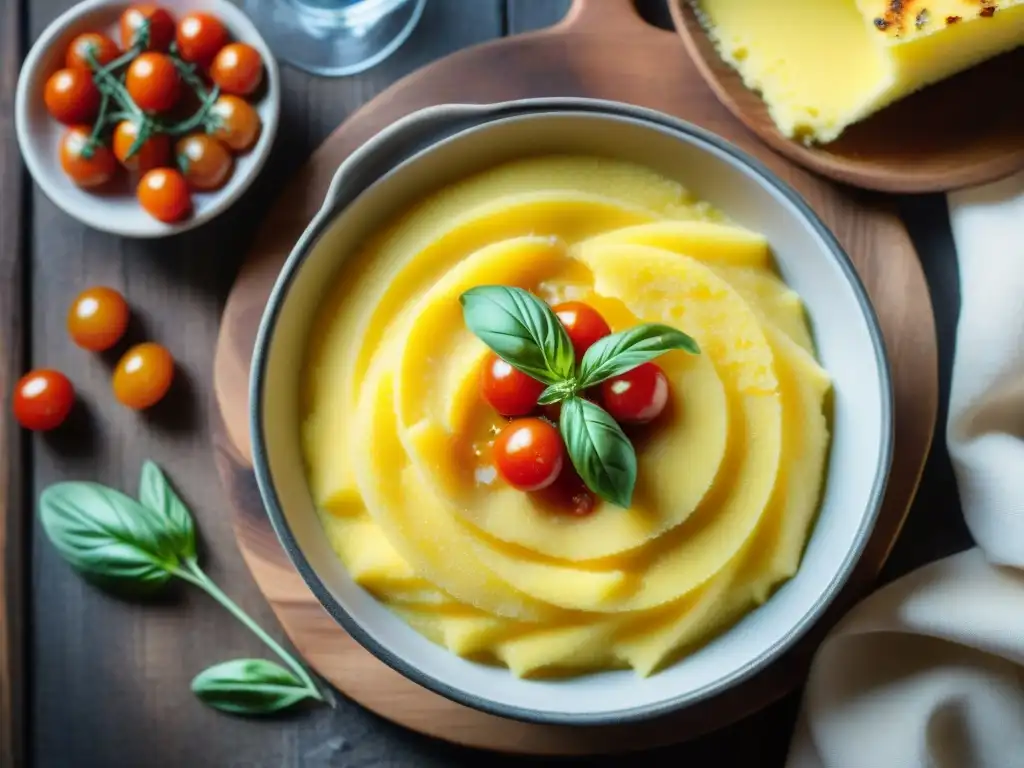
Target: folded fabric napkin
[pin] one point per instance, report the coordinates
(928, 672)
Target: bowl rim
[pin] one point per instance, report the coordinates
(241, 28)
(614, 111)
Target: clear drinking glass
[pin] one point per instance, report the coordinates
(334, 37)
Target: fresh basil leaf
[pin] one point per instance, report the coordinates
(107, 535)
(624, 351)
(521, 330)
(602, 454)
(157, 495)
(557, 392)
(250, 687)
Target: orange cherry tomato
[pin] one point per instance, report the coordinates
(153, 82)
(637, 396)
(163, 194)
(155, 151)
(90, 171)
(237, 69)
(529, 454)
(143, 376)
(98, 318)
(583, 323)
(200, 36)
(43, 399)
(510, 391)
(160, 27)
(204, 161)
(236, 123)
(71, 96)
(103, 50)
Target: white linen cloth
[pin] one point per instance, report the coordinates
(928, 672)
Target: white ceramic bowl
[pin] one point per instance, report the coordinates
(116, 209)
(440, 145)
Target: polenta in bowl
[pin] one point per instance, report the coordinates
(542, 420)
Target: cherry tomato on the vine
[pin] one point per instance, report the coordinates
(163, 193)
(98, 318)
(43, 399)
(155, 151)
(204, 161)
(84, 171)
(583, 323)
(510, 391)
(236, 123)
(529, 454)
(160, 26)
(71, 96)
(200, 36)
(237, 68)
(153, 82)
(143, 376)
(103, 50)
(637, 396)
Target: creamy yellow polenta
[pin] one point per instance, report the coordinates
(395, 431)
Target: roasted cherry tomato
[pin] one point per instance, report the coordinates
(637, 396)
(237, 68)
(43, 399)
(98, 318)
(569, 495)
(160, 27)
(90, 171)
(153, 82)
(236, 122)
(510, 391)
(529, 454)
(103, 50)
(155, 151)
(200, 36)
(163, 194)
(583, 323)
(71, 96)
(143, 376)
(204, 161)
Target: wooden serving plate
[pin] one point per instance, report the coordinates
(649, 67)
(963, 131)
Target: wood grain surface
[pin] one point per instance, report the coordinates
(569, 59)
(108, 679)
(12, 504)
(953, 134)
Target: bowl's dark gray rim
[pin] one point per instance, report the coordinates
(699, 136)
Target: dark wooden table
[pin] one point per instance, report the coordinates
(104, 683)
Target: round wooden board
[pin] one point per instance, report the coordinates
(649, 68)
(956, 133)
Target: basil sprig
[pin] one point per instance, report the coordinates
(131, 545)
(524, 332)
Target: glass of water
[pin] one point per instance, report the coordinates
(334, 37)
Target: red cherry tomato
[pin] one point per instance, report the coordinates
(529, 454)
(143, 376)
(583, 323)
(236, 123)
(43, 399)
(153, 82)
(155, 151)
(98, 318)
(103, 50)
(569, 495)
(90, 171)
(637, 396)
(510, 391)
(71, 96)
(237, 68)
(200, 36)
(163, 194)
(160, 26)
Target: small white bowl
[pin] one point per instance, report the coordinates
(437, 146)
(117, 210)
